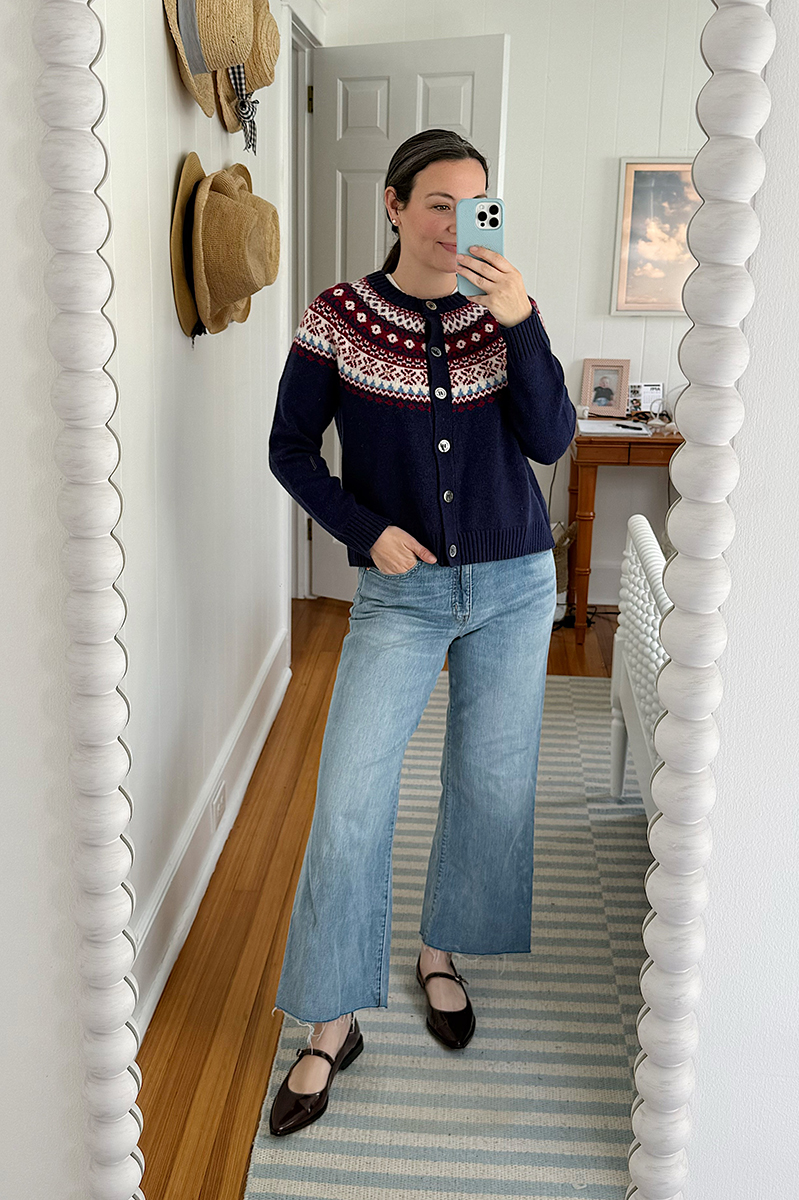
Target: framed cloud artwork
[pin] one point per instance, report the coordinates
(657, 199)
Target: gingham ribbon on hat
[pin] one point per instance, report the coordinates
(245, 106)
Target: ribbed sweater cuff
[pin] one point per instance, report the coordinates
(526, 338)
(363, 530)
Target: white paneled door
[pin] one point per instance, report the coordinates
(366, 101)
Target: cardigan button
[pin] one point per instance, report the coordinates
(453, 550)
(448, 495)
(443, 445)
(441, 393)
(436, 353)
(431, 304)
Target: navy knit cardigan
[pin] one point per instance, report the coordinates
(437, 407)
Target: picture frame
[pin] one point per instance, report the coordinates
(605, 386)
(657, 199)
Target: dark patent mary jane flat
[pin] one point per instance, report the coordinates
(453, 1029)
(294, 1110)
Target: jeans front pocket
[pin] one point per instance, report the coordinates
(398, 574)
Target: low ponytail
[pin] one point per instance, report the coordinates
(393, 256)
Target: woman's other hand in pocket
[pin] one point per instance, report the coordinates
(396, 551)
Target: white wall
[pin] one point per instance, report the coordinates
(591, 81)
(41, 1112)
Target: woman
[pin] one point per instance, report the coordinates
(438, 400)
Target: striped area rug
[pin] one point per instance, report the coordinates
(538, 1104)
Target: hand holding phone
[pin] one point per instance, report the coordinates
(478, 223)
(496, 283)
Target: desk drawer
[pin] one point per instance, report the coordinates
(652, 455)
(598, 453)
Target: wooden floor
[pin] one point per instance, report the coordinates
(209, 1047)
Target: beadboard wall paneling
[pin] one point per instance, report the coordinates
(591, 81)
(203, 520)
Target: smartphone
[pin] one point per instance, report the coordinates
(479, 223)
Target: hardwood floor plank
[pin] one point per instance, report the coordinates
(224, 1178)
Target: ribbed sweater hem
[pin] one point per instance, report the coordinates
(480, 545)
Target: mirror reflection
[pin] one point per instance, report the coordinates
(390, 760)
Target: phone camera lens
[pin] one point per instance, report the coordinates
(493, 222)
(494, 209)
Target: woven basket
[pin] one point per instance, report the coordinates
(563, 539)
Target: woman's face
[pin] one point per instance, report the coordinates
(427, 223)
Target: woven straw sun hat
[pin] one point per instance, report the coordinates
(201, 87)
(209, 35)
(259, 67)
(224, 246)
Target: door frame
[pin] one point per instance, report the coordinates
(303, 43)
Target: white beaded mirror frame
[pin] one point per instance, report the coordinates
(728, 170)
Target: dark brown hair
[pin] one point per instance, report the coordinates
(416, 153)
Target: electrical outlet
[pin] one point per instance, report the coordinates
(217, 806)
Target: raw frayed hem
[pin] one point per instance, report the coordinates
(310, 1025)
(472, 959)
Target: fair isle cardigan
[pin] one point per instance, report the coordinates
(438, 408)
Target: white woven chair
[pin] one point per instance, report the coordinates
(637, 659)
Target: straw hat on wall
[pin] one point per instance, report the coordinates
(259, 68)
(209, 35)
(224, 246)
(201, 87)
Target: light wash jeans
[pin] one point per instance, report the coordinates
(495, 620)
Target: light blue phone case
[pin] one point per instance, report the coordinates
(471, 232)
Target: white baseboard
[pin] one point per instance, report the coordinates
(603, 584)
(162, 928)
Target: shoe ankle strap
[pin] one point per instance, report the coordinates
(443, 975)
(440, 974)
(313, 1050)
(323, 1053)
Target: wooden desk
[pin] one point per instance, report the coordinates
(588, 453)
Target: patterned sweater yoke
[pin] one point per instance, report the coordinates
(437, 407)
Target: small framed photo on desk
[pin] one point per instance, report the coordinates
(605, 384)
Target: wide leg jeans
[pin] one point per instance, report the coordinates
(495, 621)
